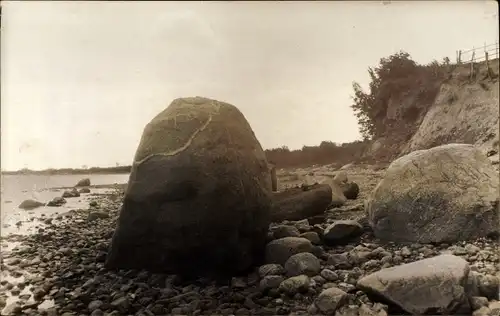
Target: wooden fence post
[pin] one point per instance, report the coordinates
(459, 57)
(472, 63)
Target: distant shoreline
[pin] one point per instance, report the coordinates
(70, 171)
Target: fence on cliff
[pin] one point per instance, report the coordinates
(479, 54)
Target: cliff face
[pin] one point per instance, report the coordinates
(461, 110)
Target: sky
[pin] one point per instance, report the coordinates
(80, 80)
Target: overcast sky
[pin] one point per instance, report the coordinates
(80, 80)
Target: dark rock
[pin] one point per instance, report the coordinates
(71, 194)
(296, 204)
(30, 204)
(83, 183)
(279, 250)
(350, 190)
(341, 231)
(57, 201)
(84, 190)
(176, 188)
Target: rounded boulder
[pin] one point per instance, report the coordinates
(443, 194)
(199, 195)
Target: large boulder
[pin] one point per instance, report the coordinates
(443, 194)
(430, 286)
(199, 195)
(30, 204)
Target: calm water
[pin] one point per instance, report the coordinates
(17, 188)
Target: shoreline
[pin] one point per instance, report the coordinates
(62, 271)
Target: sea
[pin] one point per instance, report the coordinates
(17, 188)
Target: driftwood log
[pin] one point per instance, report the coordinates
(299, 203)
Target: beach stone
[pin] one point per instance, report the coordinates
(477, 302)
(271, 269)
(70, 193)
(330, 300)
(443, 194)
(341, 231)
(83, 183)
(303, 263)
(57, 201)
(313, 237)
(350, 190)
(434, 285)
(270, 282)
(486, 285)
(295, 285)
(30, 204)
(278, 251)
(484, 311)
(199, 172)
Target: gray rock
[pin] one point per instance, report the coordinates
(313, 237)
(295, 285)
(30, 204)
(483, 311)
(430, 285)
(419, 200)
(271, 269)
(330, 300)
(302, 263)
(341, 231)
(329, 275)
(95, 305)
(178, 190)
(270, 282)
(476, 302)
(279, 250)
(487, 285)
(339, 261)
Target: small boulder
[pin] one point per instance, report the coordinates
(330, 300)
(57, 201)
(296, 284)
(303, 263)
(434, 285)
(280, 250)
(350, 190)
(83, 183)
(30, 204)
(270, 282)
(71, 193)
(341, 231)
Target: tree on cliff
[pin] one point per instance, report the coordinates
(388, 77)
